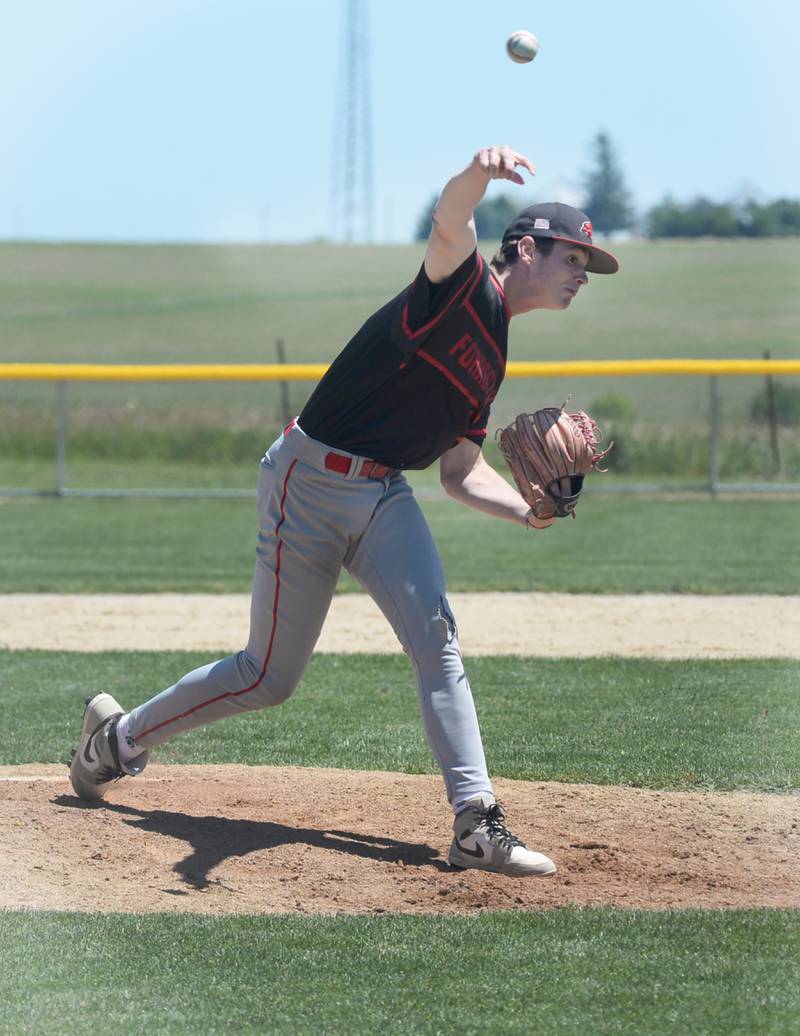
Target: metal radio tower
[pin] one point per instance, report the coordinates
(351, 192)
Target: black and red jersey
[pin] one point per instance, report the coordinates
(420, 374)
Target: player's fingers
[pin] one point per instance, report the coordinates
(506, 158)
(495, 162)
(485, 160)
(500, 163)
(526, 162)
(506, 165)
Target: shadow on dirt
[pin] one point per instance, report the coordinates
(215, 839)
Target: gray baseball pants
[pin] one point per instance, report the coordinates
(313, 521)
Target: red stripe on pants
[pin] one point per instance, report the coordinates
(261, 675)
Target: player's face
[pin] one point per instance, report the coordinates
(557, 278)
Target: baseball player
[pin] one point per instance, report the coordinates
(414, 385)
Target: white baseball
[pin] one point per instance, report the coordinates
(522, 46)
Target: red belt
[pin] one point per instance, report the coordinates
(368, 468)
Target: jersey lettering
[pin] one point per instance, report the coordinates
(474, 362)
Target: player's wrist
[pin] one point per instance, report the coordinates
(532, 522)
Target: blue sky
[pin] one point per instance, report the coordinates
(197, 120)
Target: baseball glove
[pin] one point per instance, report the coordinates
(549, 454)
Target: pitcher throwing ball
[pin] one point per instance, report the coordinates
(414, 385)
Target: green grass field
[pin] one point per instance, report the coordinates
(656, 724)
(616, 545)
(661, 725)
(665, 725)
(566, 971)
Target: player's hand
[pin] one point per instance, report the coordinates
(500, 163)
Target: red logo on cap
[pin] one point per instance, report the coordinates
(586, 228)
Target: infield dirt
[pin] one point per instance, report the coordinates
(234, 839)
(535, 624)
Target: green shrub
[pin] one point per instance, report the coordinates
(641, 450)
(787, 404)
(613, 407)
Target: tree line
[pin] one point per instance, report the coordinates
(609, 205)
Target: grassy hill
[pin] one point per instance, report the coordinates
(171, 303)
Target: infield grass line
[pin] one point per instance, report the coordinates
(707, 725)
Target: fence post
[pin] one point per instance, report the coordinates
(61, 437)
(772, 414)
(713, 434)
(286, 405)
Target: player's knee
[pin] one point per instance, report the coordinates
(272, 695)
(439, 635)
(266, 689)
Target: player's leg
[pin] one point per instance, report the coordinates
(305, 526)
(397, 562)
(298, 559)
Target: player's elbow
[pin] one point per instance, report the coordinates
(452, 481)
(452, 228)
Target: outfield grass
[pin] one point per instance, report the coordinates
(654, 724)
(671, 973)
(212, 303)
(616, 545)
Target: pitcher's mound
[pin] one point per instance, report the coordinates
(252, 840)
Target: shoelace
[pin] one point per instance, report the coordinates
(492, 819)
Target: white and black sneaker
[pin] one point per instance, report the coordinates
(482, 841)
(95, 762)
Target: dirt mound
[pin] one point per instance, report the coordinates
(235, 839)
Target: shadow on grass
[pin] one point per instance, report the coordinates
(214, 839)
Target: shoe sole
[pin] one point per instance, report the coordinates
(547, 869)
(508, 873)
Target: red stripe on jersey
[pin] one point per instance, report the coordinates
(499, 287)
(261, 675)
(449, 375)
(472, 312)
(469, 284)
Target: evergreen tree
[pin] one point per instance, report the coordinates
(493, 215)
(423, 227)
(608, 203)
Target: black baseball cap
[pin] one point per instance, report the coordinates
(561, 223)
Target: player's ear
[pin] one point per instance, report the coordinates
(526, 249)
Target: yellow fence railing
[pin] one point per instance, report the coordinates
(63, 373)
(313, 371)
